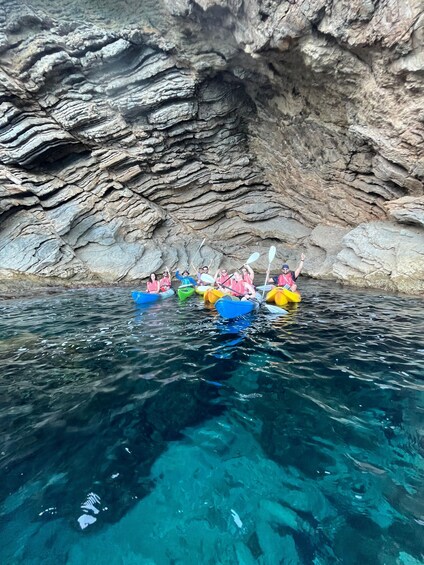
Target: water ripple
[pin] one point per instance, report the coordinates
(298, 436)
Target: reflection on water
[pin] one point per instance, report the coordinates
(163, 434)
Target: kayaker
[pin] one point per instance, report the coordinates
(247, 274)
(287, 279)
(165, 281)
(222, 277)
(202, 271)
(185, 278)
(153, 285)
(241, 288)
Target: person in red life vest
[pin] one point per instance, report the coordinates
(153, 285)
(165, 281)
(287, 278)
(241, 288)
(222, 277)
(247, 274)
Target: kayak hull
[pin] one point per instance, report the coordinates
(282, 296)
(280, 299)
(212, 295)
(292, 296)
(185, 292)
(140, 297)
(230, 309)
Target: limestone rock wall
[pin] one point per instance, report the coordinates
(132, 131)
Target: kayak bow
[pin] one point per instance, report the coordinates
(140, 297)
(229, 308)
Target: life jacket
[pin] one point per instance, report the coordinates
(238, 287)
(224, 279)
(153, 286)
(165, 284)
(247, 279)
(286, 279)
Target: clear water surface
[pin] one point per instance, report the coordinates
(162, 435)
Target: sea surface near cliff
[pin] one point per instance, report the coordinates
(164, 435)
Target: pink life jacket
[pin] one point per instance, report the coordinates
(238, 287)
(153, 286)
(165, 283)
(247, 279)
(286, 279)
(224, 279)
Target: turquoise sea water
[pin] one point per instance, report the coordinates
(162, 435)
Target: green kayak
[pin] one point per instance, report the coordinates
(185, 292)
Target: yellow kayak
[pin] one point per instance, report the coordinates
(282, 296)
(292, 296)
(212, 295)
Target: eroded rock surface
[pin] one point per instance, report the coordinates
(132, 131)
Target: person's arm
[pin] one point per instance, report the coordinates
(192, 281)
(273, 280)
(218, 272)
(179, 277)
(300, 266)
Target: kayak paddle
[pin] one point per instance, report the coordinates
(271, 256)
(196, 254)
(254, 257)
(271, 309)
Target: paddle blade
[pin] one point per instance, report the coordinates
(271, 253)
(265, 287)
(276, 310)
(207, 278)
(254, 257)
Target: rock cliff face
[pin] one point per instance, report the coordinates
(130, 131)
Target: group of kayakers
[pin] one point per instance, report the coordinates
(240, 283)
(155, 285)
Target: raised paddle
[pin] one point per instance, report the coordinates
(271, 309)
(196, 254)
(271, 256)
(254, 257)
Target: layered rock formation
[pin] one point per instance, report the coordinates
(132, 131)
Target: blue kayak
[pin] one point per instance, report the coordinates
(148, 298)
(229, 308)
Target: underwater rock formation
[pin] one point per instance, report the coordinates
(132, 131)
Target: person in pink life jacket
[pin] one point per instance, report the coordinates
(247, 274)
(287, 278)
(165, 281)
(222, 277)
(241, 288)
(153, 285)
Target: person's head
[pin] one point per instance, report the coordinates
(237, 276)
(165, 275)
(244, 270)
(285, 268)
(205, 269)
(152, 277)
(224, 272)
(186, 273)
